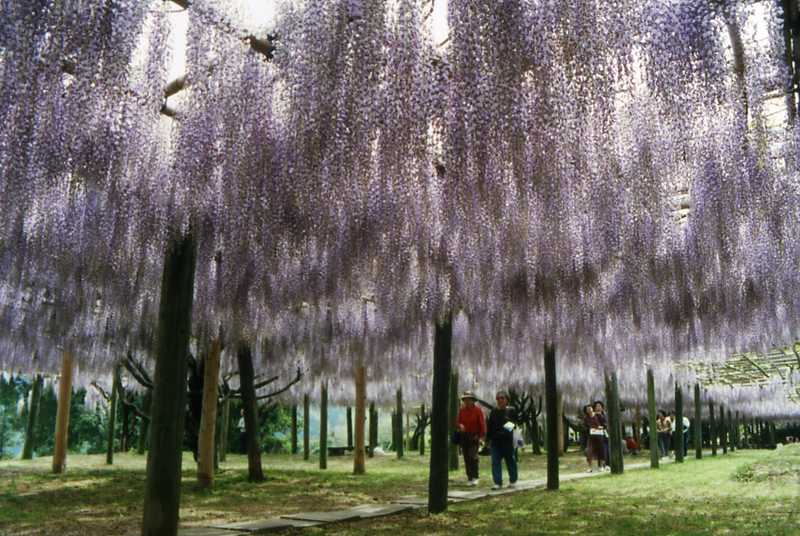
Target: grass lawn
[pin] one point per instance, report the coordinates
(744, 493)
(749, 492)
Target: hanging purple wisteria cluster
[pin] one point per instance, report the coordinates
(605, 174)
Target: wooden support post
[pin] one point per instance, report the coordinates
(294, 449)
(349, 427)
(723, 430)
(637, 425)
(323, 426)
(422, 435)
(144, 423)
(712, 427)
(373, 429)
(168, 408)
(112, 416)
(614, 425)
(453, 417)
(306, 428)
(731, 431)
(359, 458)
(208, 416)
(652, 418)
(440, 426)
(678, 436)
(224, 429)
(697, 425)
(399, 410)
(560, 422)
(62, 415)
(249, 404)
(33, 415)
(551, 403)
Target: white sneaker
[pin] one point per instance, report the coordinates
(607, 469)
(472, 483)
(497, 486)
(512, 485)
(590, 470)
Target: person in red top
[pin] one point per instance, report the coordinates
(472, 428)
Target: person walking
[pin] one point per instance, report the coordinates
(686, 425)
(242, 432)
(664, 428)
(500, 433)
(594, 442)
(600, 412)
(472, 427)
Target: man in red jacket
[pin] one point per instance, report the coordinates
(472, 427)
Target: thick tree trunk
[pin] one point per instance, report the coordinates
(637, 425)
(208, 417)
(112, 417)
(652, 418)
(440, 427)
(62, 416)
(163, 485)
(144, 424)
(712, 428)
(349, 427)
(453, 417)
(678, 436)
(294, 429)
(723, 430)
(224, 428)
(251, 428)
(323, 426)
(399, 410)
(614, 425)
(306, 428)
(697, 426)
(359, 458)
(33, 415)
(551, 406)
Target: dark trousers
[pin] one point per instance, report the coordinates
(663, 443)
(469, 448)
(502, 453)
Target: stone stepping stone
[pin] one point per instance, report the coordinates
(379, 510)
(208, 531)
(413, 500)
(260, 526)
(467, 495)
(530, 484)
(324, 517)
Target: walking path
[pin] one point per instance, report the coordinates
(408, 502)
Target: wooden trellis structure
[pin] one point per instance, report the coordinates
(754, 369)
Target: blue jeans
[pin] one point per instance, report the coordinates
(498, 455)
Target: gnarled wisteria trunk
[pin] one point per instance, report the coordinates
(697, 426)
